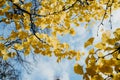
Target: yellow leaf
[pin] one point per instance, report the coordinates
(1, 38)
(96, 77)
(43, 26)
(15, 1)
(106, 36)
(27, 51)
(118, 56)
(111, 41)
(18, 26)
(87, 60)
(22, 34)
(91, 70)
(78, 56)
(92, 60)
(117, 68)
(100, 54)
(78, 69)
(6, 8)
(100, 45)
(89, 42)
(5, 57)
(118, 31)
(18, 46)
(66, 45)
(37, 50)
(67, 24)
(2, 2)
(13, 35)
(59, 59)
(85, 76)
(108, 49)
(106, 69)
(91, 51)
(116, 76)
(72, 32)
(2, 46)
(1, 54)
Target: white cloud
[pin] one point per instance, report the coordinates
(65, 76)
(49, 69)
(116, 19)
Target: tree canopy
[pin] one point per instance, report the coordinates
(38, 23)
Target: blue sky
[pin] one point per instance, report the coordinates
(47, 68)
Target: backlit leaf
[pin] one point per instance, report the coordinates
(78, 69)
(89, 42)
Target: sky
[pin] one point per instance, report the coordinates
(49, 69)
(46, 68)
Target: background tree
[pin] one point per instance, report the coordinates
(38, 23)
(7, 71)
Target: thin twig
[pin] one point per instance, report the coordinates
(101, 23)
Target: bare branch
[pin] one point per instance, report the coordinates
(101, 23)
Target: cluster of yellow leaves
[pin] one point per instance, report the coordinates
(103, 60)
(49, 46)
(4, 53)
(54, 20)
(58, 16)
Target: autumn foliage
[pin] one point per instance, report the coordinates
(38, 23)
